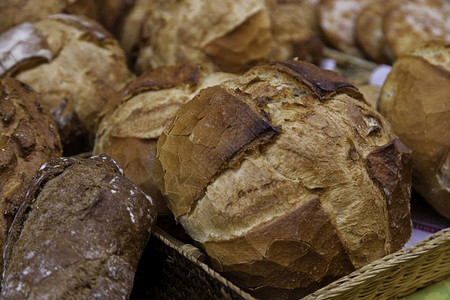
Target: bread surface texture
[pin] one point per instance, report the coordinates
(226, 35)
(28, 139)
(74, 63)
(286, 177)
(415, 100)
(134, 118)
(79, 234)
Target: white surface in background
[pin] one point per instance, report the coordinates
(379, 75)
(417, 236)
(328, 64)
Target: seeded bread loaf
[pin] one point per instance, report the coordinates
(133, 119)
(28, 139)
(287, 178)
(415, 100)
(74, 63)
(79, 233)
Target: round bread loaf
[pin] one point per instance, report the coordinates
(74, 63)
(225, 35)
(28, 139)
(369, 30)
(337, 20)
(415, 100)
(133, 120)
(294, 31)
(414, 22)
(286, 178)
(79, 233)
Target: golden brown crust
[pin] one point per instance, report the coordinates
(316, 149)
(224, 36)
(134, 117)
(369, 30)
(337, 21)
(415, 100)
(413, 22)
(85, 68)
(28, 139)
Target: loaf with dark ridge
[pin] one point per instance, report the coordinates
(74, 63)
(287, 178)
(28, 139)
(79, 233)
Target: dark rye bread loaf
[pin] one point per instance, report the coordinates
(134, 118)
(28, 139)
(79, 233)
(74, 63)
(287, 178)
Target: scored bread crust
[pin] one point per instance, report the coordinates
(79, 233)
(337, 21)
(415, 100)
(134, 117)
(79, 66)
(413, 22)
(285, 141)
(227, 36)
(28, 139)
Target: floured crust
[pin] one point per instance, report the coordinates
(415, 22)
(337, 21)
(85, 66)
(134, 118)
(415, 100)
(79, 233)
(28, 139)
(304, 142)
(225, 36)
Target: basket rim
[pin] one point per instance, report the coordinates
(387, 262)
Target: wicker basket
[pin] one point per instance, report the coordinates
(181, 274)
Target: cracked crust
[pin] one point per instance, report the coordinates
(310, 146)
(83, 66)
(28, 139)
(79, 233)
(134, 117)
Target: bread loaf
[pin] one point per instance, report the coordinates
(413, 22)
(369, 30)
(225, 36)
(415, 100)
(294, 31)
(286, 178)
(74, 63)
(133, 119)
(337, 20)
(28, 139)
(79, 233)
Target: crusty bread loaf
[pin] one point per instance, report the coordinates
(294, 31)
(415, 100)
(79, 233)
(369, 30)
(414, 22)
(286, 177)
(133, 119)
(28, 139)
(74, 63)
(225, 35)
(337, 20)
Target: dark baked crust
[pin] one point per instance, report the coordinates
(79, 233)
(28, 139)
